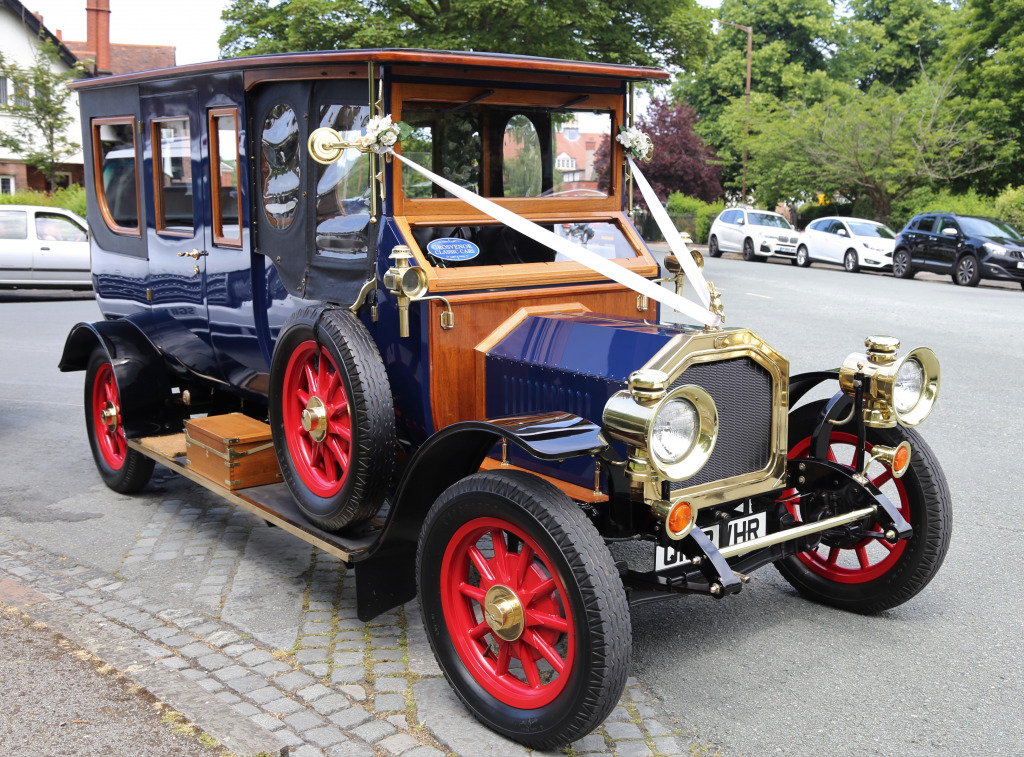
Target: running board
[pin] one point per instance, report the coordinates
(272, 502)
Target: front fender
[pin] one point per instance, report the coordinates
(142, 384)
(386, 573)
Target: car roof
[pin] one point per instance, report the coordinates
(527, 65)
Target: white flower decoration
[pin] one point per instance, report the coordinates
(637, 144)
(381, 134)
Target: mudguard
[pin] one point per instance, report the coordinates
(142, 382)
(386, 573)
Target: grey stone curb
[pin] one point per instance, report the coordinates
(389, 699)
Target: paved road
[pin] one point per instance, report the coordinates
(766, 672)
(263, 625)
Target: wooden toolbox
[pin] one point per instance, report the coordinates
(234, 450)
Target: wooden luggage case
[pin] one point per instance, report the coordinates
(234, 450)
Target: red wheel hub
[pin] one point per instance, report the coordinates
(508, 613)
(106, 417)
(869, 558)
(317, 419)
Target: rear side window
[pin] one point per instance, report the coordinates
(224, 177)
(926, 224)
(58, 228)
(116, 171)
(172, 174)
(13, 224)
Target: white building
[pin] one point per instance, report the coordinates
(21, 33)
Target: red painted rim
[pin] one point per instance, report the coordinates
(110, 439)
(533, 670)
(870, 558)
(322, 465)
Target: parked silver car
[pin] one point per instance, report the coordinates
(758, 234)
(850, 242)
(43, 247)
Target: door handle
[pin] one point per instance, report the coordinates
(194, 254)
(47, 249)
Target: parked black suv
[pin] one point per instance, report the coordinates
(969, 248)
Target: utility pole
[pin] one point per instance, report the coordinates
(750, 55)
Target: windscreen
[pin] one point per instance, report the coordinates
(508, 151)
(988, 227)
(872, 230)
(767, 219)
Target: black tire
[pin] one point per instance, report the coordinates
(850, 262)
(339, 469)
(748, 250)
(123, 469)
(803, 257)
(851, 581)
(587, 600)
(901, 267)
(968, 271)
(714, 250)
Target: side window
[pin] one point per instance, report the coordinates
(815, 225)
(58, 228)
(13, 224)
(116, 171)
(926, 224)
(281, 172)
(343, 188)
(730, 216)
(947, 223)
(223, 130)
(172, 176)
(521, 159)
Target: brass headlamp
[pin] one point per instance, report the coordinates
(896, 389)
(409, 282)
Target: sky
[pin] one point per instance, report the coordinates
(191, 26)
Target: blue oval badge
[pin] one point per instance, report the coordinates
(452, 249)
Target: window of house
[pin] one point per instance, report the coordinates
(227, 230)
(6, 185)
(172, 175)
(116, 172)
(3, 91)
(22, 95)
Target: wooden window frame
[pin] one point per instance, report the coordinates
(218, 212)
(97, 167)
(416, 209)
(159, 222)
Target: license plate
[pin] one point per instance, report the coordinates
(1020, 265)
(786, 248)
(735, 531)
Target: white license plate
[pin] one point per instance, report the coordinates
(786, 248)
(736, 531)
(1020, 265)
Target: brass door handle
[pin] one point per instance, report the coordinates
(194, 254)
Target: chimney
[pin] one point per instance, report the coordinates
(60, 36)
(97, 14)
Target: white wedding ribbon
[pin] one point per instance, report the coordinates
(582, 255)
(668, 230)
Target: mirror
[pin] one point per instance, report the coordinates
(949, 231)
(841, 232)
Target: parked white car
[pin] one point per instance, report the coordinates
(758, 234)
(853, 243)
(43, 247)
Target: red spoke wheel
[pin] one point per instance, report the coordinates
(332, 417)
(121, 468)
(864, 573)
(523, 607)
(317, 421)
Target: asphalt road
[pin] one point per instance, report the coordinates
(761, 673)
(766, 672)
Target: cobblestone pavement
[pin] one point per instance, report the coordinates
(264, 627)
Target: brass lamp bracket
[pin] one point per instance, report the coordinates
(326, 145)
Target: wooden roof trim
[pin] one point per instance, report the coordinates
(422, 57)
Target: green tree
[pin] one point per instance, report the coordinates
(987, 50)
(647, 32)
(880, 144)
(40, 110)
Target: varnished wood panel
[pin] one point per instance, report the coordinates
(456, 393)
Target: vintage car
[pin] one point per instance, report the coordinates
(419, 270)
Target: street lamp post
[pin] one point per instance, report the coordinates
(750, 55)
